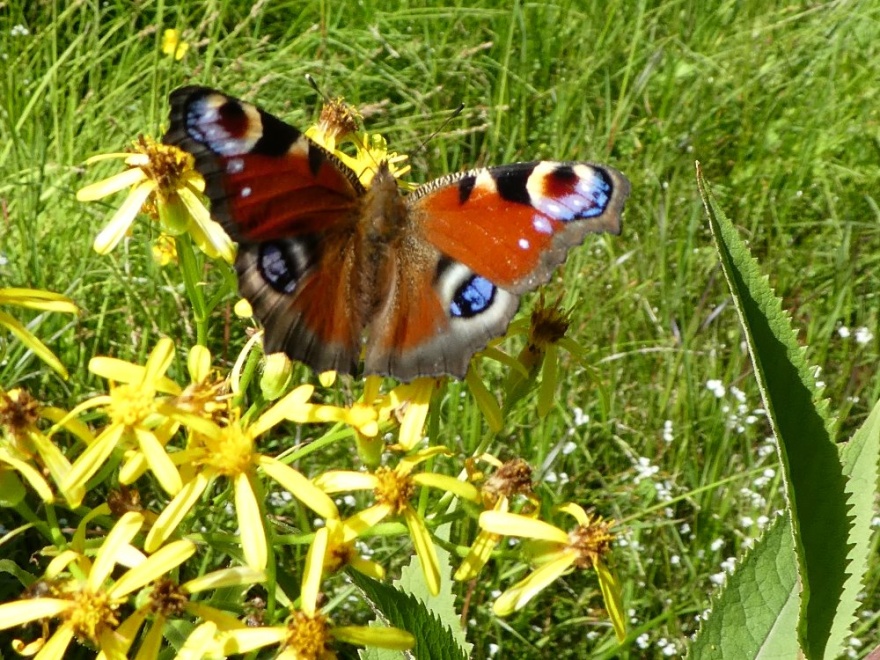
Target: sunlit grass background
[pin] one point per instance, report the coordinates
(661, 427)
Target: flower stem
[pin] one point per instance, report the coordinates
(189, 268)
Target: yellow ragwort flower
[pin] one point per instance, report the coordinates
(81, 594)
(34, 299)
(509, 479)
(394, 490)
(163, 182)
(25, 448)
(138, 417)
(309, 634)
(585, 546)
(229, 452)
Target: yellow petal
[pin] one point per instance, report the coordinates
(425, 550)
(445, 482)
(511, 524)
(56, 647)
(250, 524)
(289, 407)
(37, 299)
(115, 183)
(337, 481)
(613, 597)
(155, 566)
(367, 567)
(479, 554)
(20, 612)
(31, 475)
(386, 638)
(92, 459)
(109, 236)
(199, 643)
(363, 520)
(299, 486)
(236, 576)
(205, 232)
(35, 345)
(311, 583)
(159, 461)
(122, 533)
(175, 511)
(576, 511)
(159, 361)
(121, 371)
(522, 592)
(245, 640)
(198, 363)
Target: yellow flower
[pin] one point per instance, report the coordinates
(35, 299)
(338, 124)
(81, 593)
(164, 183)
(393, 490)
(277, 371)
(164, 250)
(585, 546)
(166, 600)
(509, 479)
(229, 452)
(309, 634)
(547, 326)
(172, 46)
(338, 537)
(26, 449)
(137, 417)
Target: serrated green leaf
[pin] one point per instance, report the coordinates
(812, 474)
(444, 603)
(434, 641)
(860, 464)
(756, 613)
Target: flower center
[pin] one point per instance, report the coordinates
(591, 541)
(19, 413)
(309, 635)
(92, 613)
(130, 405)
(167, 598)
(230, 452)
(166, 164)
(394, 488)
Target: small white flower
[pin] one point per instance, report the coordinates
(716, 387)
(579, 417)
(843, 332)
(864, 335)
(19, 31)
(667, 431)
(717, 544)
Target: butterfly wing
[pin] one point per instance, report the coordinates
(292, 207)
(481, 239)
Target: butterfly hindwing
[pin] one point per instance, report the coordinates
(437, 313)
(514, 224)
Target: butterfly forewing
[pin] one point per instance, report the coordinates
(514, 224)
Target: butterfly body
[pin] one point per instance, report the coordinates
(430, 277)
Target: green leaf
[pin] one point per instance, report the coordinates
(756, 614)
(12, 491)
(443, 604)
(434, 641)
(860, 459)
(812, 474)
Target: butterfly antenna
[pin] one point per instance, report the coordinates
(455, 113)
(314, 85)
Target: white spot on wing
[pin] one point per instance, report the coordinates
(524, 244)
(246, 191)
(542, 225)
(235, 165)
(484, 183)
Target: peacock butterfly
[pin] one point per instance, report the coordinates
(432, 276)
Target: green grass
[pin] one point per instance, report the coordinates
(779, 103)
